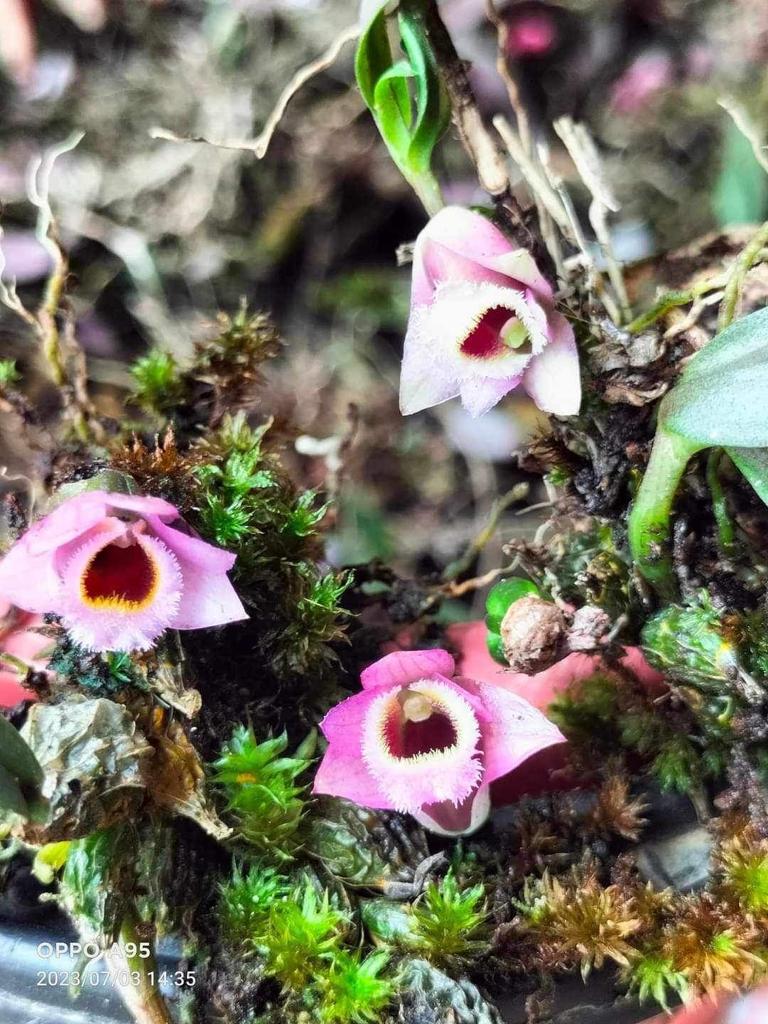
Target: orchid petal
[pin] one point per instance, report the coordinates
(479, 394)
(342, 771)
(191, 549)
(513, 731)
(403, 667)
(458, 244)
(207, 599)
(552, 379)
(445, 772)
(112, 621)
(144, 505)
(447, 819)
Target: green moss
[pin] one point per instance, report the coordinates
(300, 933)
(353, 991)
(262, 791)
(677, 765)
(246, 899)
(447, 922)
(654, 977)
(687, 642)
(156, 381)
(246, 504)
(101, 674)
(9, 375)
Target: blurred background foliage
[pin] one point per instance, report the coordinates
(164, 235)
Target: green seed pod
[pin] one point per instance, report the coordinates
(502, 595)
(688, 643)
(495, 647)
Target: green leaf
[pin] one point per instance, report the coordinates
(97, 881)
(720, 398)
(11, 798)
(753, 463)
(373, 56)
(433, 111)
(741, 191)
(407, 98)
(742, 344)
(388, 923)
(495, 647)
(16, 757)
(392, 108)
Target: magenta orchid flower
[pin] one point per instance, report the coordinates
(118, 573)
(23, 645)
(482, 322)
(420, 740)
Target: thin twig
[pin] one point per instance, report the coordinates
(671, 300)
(500, 505)
(738, 274)
(477, 140)
(534, 175)
(260, 144)
(583, 152)
(693, 315)
(453, 589)
(502, 67)
(9, 296)
(65, 359)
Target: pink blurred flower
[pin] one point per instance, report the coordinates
(643, 80)
(482, 322)
(18, 38)
(19, 638)
(530, 34)
(748, 1009)
(118, 574)
(420, 740)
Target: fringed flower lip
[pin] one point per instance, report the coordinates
(483, 322)
(119, 570)
(420, 740)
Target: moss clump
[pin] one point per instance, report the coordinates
(262, 791)
(447, 922)
(245, 901)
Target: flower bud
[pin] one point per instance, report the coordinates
(687, 643)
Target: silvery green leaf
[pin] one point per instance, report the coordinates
(11, 797)
(753, 463)
(426, 993)
(720, 399)
(16, 757)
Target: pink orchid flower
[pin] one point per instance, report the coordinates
(420, 740)
(118, 574)
(482, 322)
(748, 1009)
(22, 641)
(549, 770)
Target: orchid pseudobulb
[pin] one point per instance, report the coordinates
(419, 739)
(482, 322)
(119, 570)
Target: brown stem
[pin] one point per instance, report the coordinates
(481, 145)
(140, 995)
